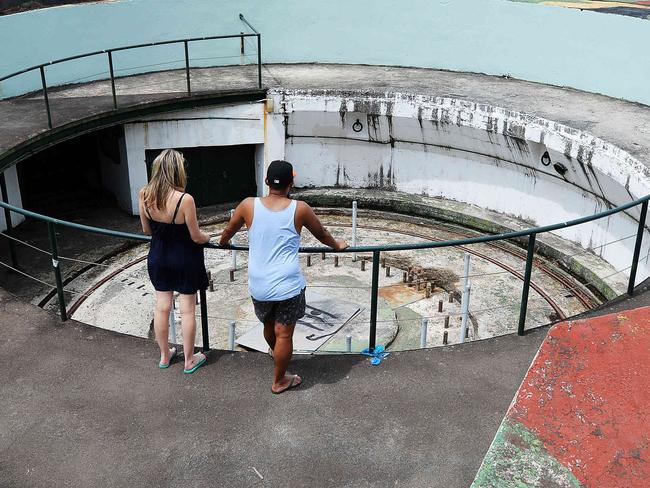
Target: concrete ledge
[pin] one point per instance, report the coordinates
(580, 416)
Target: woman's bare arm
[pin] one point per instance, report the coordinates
(189, 211)
(144, 220)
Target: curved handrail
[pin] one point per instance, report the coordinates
(357, 249)
(109, 52)
(124, 48)
(531, 233)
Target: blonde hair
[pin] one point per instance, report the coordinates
(167, 174)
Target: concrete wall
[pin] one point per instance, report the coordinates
(546, 44)
(13, 195)
(467, 152)
(217, 126)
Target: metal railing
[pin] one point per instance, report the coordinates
(530, 233)
(111, 70)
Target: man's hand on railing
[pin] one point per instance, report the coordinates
(340, 244)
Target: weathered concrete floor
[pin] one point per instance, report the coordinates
(87, 407)
(580, 417)
(621, 123)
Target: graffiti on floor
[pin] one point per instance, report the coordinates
(631, 8)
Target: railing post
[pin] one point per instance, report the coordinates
(354, 229)
(46, 98)
(204, 320)
(187, 67)
(423, 332)
(172, 323)
(464, 310)
(372, 340)
(526, 287)
(54, 249)
(259, 60)
(110, 69)
(637, 248)
(231, 336)
(241, 44)
(233, 253)
(9, 231)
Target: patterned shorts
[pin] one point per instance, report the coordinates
(285, 312)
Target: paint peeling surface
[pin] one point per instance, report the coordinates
(580, 417)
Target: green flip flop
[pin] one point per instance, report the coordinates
(196, 366)
(171, 358)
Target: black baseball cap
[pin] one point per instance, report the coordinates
(280, 174)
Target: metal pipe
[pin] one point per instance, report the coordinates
(372, 340)
(348, 343)
(241, 44)
(423, 333)
(233, 253)
(187, 68)
(259, 61)
(231, 336)
(204, 321)
(54, 249)
(315, 250)
(110, 69)
(465, 312)
(46, 98)
(8, 223)
(172, 324)
(526, 286)
(354, 229)
(637, 248)
(123, 48)
(466, 270)
(243, 19)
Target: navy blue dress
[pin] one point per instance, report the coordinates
(175, 261)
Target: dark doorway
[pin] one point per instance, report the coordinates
(216, 174)
(62, 179)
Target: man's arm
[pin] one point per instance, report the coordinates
(308, 218)
(236, 222)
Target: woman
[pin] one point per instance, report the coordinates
(175, 260)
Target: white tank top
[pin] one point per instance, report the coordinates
(273, 264)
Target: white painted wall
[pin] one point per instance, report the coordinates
(13, 195)
(214, 126)
(453, 149)
(472, 153)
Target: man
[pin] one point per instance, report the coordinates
(275, 281)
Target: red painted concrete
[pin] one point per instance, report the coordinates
(587, 397)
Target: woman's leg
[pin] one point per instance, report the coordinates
(188, 324)
(161, 322)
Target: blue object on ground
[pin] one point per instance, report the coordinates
(377, 355)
